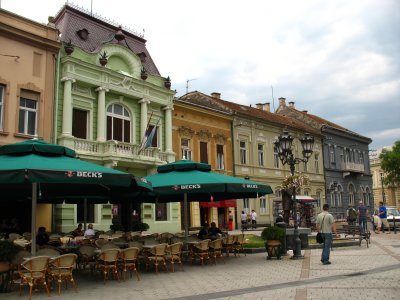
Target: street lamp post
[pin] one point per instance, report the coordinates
(284, 147)
(383, 190)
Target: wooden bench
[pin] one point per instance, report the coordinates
(352, 232)
(250, 226)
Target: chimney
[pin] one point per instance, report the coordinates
(216, 95)
(282, 101)
(267, 107)
(291, 104)
(305, 111)
(259, 106)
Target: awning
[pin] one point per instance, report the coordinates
(219, 204)
(305, 199)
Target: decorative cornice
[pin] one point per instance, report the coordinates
(186, 131)
(220, 138)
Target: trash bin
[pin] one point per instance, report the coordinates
(284, 247)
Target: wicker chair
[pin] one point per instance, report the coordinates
(107, 263)
(51, 252)
(156, 255)
(61, 269)
(33, 273)
(86, 256)
(128, 261)
(238, 244)
(200, 251)
(227, 244)
(215, 250)
(174, 254)
(100, 242)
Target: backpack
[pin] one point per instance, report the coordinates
(352, 214)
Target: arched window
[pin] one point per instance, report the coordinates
(118, 123)
(367, 196)
(339, 196)
(351, 194)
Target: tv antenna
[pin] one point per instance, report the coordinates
(187, 84)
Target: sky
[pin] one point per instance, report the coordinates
(338, 59)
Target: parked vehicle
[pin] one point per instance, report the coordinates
(392, 216)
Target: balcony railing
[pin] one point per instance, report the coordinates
(353, 167)
(117, 149)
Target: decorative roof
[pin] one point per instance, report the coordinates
(90, 32)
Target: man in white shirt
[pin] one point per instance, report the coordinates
(89, 232)
(253, 218)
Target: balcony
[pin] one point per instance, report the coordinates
(353, 167)
(119, 151)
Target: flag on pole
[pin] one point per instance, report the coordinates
(148, 137)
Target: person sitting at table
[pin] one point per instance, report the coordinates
(89, 232)
(203, 233)
(78, 231)
(42, 238)
(214, 232)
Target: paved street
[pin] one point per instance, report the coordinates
(355, 273)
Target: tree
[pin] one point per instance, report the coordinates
(390, 164)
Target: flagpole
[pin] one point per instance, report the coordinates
(144, 135)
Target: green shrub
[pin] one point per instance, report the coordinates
(140, 226)
(273, 233)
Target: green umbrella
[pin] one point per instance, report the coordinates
(35, 168)
(186, 180)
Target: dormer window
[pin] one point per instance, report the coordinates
(83, 34)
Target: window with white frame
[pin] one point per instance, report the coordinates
(186, 150)
(260, 148)
(220, 157)
(263, 205)
(339, 196)
(243, 152)
(246, 205)
(118, 123)
(332, 154)
(276, 158)
(351, 194)
(2, 93)
(28, 110)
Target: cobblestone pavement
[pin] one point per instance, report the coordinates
(355, 273)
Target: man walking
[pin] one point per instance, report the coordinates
(253, 218)
(383, 215)
(362, 217)
(325, 225)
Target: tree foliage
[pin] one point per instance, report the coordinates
(390, 164)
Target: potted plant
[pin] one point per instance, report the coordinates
(167, 82)
(143, 74)
(103, 59)
(139, 226)
(68, 47)
(8, 251)
(273, 237)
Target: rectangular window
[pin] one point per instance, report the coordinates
(333, 202)
(263, 205)
(185, 147)
(260, 155)
(316, 165)
(276, 158)
(80, 123)
(332, 154)
(220, 157)
(361, 158)
(28, 109)
(242, 151)
(2, 90)
(161, 212)
(203, 153)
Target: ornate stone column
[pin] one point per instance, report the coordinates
(143, 116)
(101, 114)
(168, 128)
(67, 106)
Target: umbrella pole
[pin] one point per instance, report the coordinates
(185, 216)
(84, 213)
(33, 219)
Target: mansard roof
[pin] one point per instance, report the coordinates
(70, 21)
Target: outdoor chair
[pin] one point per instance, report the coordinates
(108, 245)
(107, 263)
(174, 254)
(200, 251)
(27, 235)
(136, 244)
(14, 236)
(156, 256)
(104, 236)
(128, 261)
(51, 252)
(86, 256)
(165, 237)
(238, 243)
(61, 270)
(100, 242)
(227, 244)
(215, 250)
(33, 272)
